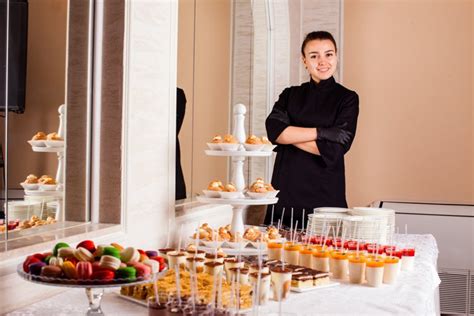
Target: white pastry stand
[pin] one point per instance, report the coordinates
(60, 171)
(238, 158)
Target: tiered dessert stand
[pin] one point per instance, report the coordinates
(57, 194)
(94, 288)
(238, 157)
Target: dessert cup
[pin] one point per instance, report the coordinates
(357, 269)
(390, 270)
(231, 263)
(239, 274)
(339, 264)
(195, 263)
(320, 261)
(213, 268)
(176, 259)
(263, 293)
(275, 251)
(306, 257)
(281, 283)
(374, 272)
(291, 253)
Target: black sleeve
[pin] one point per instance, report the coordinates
(347, 119)
(180, 108)
(278, 119)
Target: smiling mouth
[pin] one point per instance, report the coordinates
(323, 69)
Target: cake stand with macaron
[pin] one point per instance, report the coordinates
(238, 147)
(92, 267)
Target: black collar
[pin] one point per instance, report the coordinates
(323, 84)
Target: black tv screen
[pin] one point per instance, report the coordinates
(17, 45)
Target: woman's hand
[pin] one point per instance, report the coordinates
(334, 134)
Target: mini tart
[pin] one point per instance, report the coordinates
(253, 140)
(230, 139)
(215, 186)
(217, 139)
(39, 136)
(230, 187)
(53, 136)
(31, 179)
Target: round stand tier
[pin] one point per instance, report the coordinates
(238, 153)
(94, 298)
(47, 149)
(238, 205)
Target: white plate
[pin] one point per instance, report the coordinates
(268, 147)
(48, 187)
(230, 195)
(253, 147)
(30, 186)
(37, 143)
(229, 147)
(212, 244)
(312, 288)
(257, 196)
(211, 193)
(272, 194)
(43, 193)
(331, 210)
(214, 146)
(54, 143)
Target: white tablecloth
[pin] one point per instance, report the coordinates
(414, 293)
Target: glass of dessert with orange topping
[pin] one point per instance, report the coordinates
(339, 264)
(306, 256)
(291, 252)
(275, 251)
(374, 272)
(320, 261)
(390, 270)
(357, 265)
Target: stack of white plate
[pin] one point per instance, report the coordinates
(23, 210)
(325, 218)
(366, 228)
(377, 223)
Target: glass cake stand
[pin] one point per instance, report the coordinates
(94, 297)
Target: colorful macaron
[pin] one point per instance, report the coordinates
(69, 270)
(130, 254)
(82, 254)
(128, 273)
(59, 246)
(109, 262)
(111, 251)
(84, 270)
(51, 271)
(88, 244)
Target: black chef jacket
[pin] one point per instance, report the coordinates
(305, 180)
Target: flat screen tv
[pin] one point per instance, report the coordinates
(17, 45)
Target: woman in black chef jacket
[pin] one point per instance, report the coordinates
(313, 125)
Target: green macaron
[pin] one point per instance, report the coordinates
(126, 273)
(58, 246)
(111, 251)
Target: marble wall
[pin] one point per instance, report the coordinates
(149, 121)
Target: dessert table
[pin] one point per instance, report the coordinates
(414, 293)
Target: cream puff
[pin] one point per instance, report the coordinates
(253, 140)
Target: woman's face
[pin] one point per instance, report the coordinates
(320, 59)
